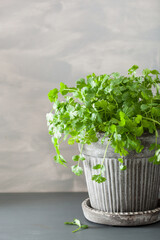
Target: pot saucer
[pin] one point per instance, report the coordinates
(119, 218)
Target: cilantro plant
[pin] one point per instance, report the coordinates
(122, 107)
(78, 223)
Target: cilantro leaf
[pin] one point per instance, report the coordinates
(98, 166)
(138, 118)
(82, 158)
(77, 170)
(122, 119)
(133, 69)
(146, 72)
(78, 223)
(53, 95)
(75, 157)
(98, 178)
(123, 167)
(63, 89)
(120, 160)
(155, 72)
(81, 83)
(59, 159)
(71, 141)
(139, 131)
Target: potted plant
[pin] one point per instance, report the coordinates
(115, 120)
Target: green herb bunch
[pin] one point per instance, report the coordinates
(122, 107)
(78, 223)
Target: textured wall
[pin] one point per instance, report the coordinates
(44, 42)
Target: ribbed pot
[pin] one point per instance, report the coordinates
(132, 190)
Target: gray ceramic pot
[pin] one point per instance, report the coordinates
(132, 190)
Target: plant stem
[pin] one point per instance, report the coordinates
(81, 149)
(61, 140)
(106, 151)
(156, 135)
(151, 120)
(105, 115)
(69, 89)
(76, 230)
(80, 153)
(51, 110)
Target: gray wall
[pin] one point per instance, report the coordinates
(44, 42)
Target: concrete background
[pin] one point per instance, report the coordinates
(45, 42)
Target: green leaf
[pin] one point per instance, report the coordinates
(78, 223)
(152, 159)
(155, 111)
(108, 89)
(146, 72)
(75, 157)
(63, 89)
(145, 123)
(73, 114)
(139, 131)
(78, 126)
(81, 83)
(115, 74)
(152, 146)
(132, 69)
(77, 94)
(117, 136)
(149, 125)
(120, 160)
(71, 141)
(98, 178)
(70, 108)
(155, 72)
(93, 116)
(138, 119)
(84, 226)
(144, 95)
(56, 144)
(157, 153)
(77, 170)
(82, 158)
(156, 158)
(59, 159)
(123, 167)
(122, 118)
(117, 91)
(102, 104)
(91, 81)
(131, 143)
(123, 152)
(139, 148)
(126, 96)
(73, 133)
(144, 107)
(98, 166)
(113, 128)
(53, 95)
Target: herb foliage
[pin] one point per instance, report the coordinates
(122, 107)
(78, 223)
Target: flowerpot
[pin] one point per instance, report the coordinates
(133, 190)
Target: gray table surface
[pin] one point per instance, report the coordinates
(37, 216)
